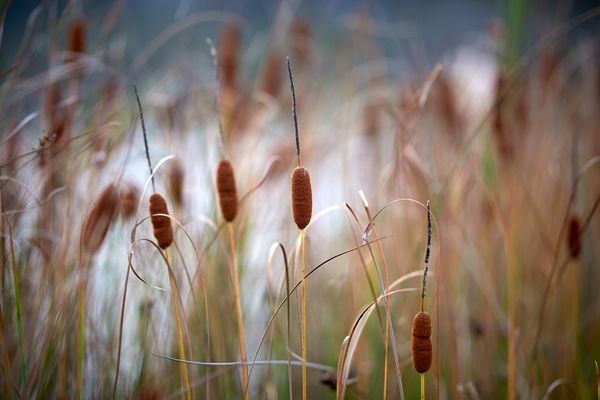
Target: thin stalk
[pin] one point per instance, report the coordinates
(303, 313)
(18, 312)
(238, 311)
(422, 386)
(80, 329)
(181, 349)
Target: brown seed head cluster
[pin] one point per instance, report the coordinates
(226, 189)
(421, 342)
(163, 231)
(271, 75)
(229, 42)
(76, 43)
(301, 197)
(98, 220)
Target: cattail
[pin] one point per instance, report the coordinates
(301, 197)
(300, 40)
(573, 236)
(421, 342)
(76, 43)
(163, 231)
(175, 180)
(128, 201)
(271, 75)
(226, 189)
(98, 220)
(229, 41)
(371, 120)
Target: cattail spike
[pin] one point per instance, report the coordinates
(301, 197)
(139, 103)
(98, 220)
(289, 67)
(161, 224)
(227, 191)
(422, 350)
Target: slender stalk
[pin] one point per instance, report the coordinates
(181, 349)
(422, 386)
(17, 290)
(80, 329)
(238, 312)
(303, 313)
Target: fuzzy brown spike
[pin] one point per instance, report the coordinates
(301, 197)
(76, 43)
(227, 191)
(176, 179)
(98, 220)
(163, 230)
(128, 200)
(271, 74)
(421, 342)
(229, 42)
(300, 40)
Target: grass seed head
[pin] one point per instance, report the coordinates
(301, 197)
(421, 342)
(226, 189)
(163, 230)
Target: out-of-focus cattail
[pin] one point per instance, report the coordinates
(163, 230)
(421, 342)
(301, 197)
(573, 236)
(76, 44)
(371, 120)
(128, 200)
(226, 189)
(300, 40)
(98, 220)
(175, 180)
(229, 42)
(271, 74)
(499, 128)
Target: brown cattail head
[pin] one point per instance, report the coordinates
(163, 231)
(300, 40)
(573, 236)
(271, 75)
(176, 177)
(98, 220)
(229, 42)
(128, 200)
(421, 342)
(76, 44)
(226, 189)
(301, 197)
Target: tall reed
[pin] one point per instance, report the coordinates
(301, 194)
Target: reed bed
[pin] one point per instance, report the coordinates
(224, 269)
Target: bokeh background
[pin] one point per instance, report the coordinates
(487, 109)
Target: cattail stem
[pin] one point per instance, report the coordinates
(17, 290)
(303, 312)
(289, 66)
(422, 386)
(80, 330)
(182, 366)
(213, 53)
(139, 103)
(238, 311)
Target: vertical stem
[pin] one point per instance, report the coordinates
(80, 329)
(422, 386)
(303, 312)
(238, 312)
(181, 349)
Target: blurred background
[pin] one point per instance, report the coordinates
(487, 109)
